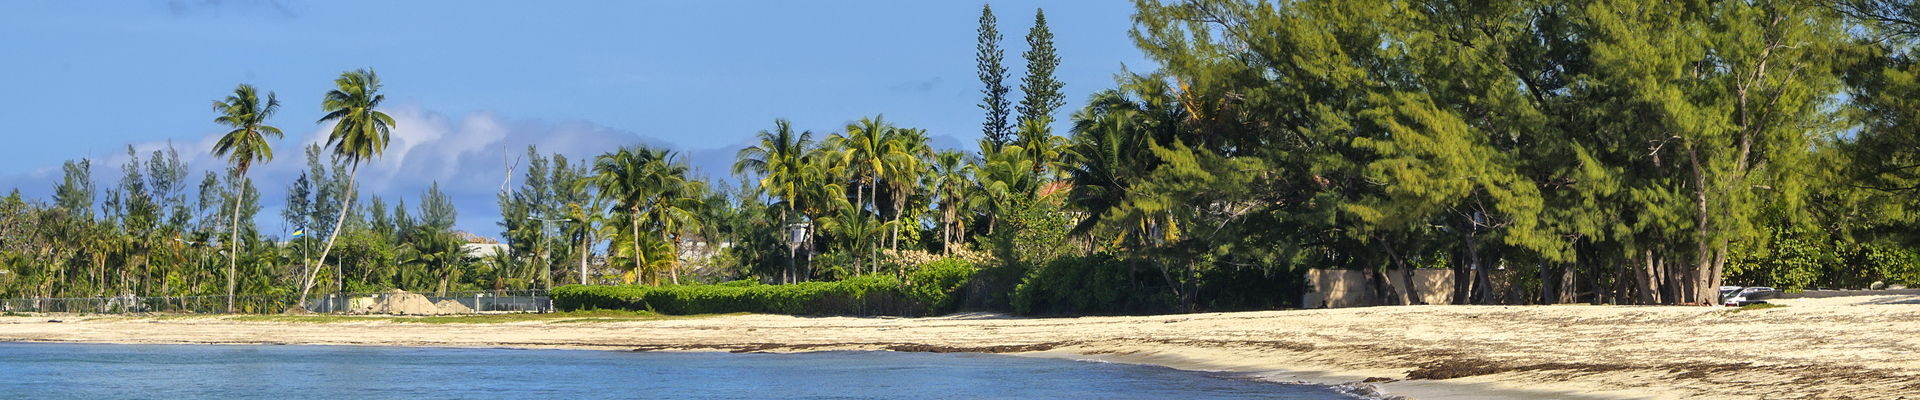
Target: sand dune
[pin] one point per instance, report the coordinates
(1853, 347)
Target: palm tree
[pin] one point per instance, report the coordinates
(866, 150)
(1003, 178)
(588, 223)
(1040, 146)
(437, 253)
(948, 180)
(1103, 158)
(907, 153)
(244, 145)
(782, 160)
(674, 202)
(621, 177)
(861, 229)
(649, 185)
(820, 196)
(359, 133)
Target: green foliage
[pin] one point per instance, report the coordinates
(1884, 264)
(1233, 288)
(1035, 233)
(1272, 137)
(1092, 284)
(936, 286)
(865, 295)
(1796, 258)
(833, 266)
(1041, 88)
(993, 77)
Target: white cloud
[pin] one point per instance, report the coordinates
(468, 156)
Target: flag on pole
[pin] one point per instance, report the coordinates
(297, 234)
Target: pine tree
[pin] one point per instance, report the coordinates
(1042, 90)
(994, 76)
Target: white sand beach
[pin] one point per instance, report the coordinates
(1852, 347)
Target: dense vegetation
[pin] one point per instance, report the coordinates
(1611, 151)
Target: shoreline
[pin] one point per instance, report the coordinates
(1854, 347)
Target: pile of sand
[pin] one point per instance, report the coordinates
(452, 307)
(400, 302)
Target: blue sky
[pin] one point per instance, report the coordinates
(466, 78)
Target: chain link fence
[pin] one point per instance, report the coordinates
(483, 301)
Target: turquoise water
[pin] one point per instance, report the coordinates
(175, 372)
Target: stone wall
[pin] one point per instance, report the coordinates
(1336, 288)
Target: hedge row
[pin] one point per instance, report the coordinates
(932, 292)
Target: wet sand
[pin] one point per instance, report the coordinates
(1851, 347)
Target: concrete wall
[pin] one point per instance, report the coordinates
(1818, 294)
(1335, 288)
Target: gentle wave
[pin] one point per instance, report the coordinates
(100, 371)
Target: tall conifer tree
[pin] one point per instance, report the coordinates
(1041, 89)
(994, 76)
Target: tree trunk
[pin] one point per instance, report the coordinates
(673, 250)
(1546, 283)
(899, 205)
(338, 225)
(859, 205)
(788, 277)
(1569, 283)
(586, 249)
(1171, 284)
(946, 230)
(1703, 248)
(1376, 287)
(1650, 285)
(1668, 282)
(639, 256)
(1462, 280)
(1711, 292)
(1644, 284)
(807, 271)
(1193, 287)
(233, 257)
(1406, 286)
(1480, 282)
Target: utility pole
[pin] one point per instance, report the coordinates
(546, 249)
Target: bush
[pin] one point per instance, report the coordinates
(1091, 284)
(832, 266)
(866, 295)
(1230, 288)
(937, 284)
(739, 283)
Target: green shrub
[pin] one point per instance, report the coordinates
(832, 266)
(1885, 264)
(1235, 288)
(866, 295)
(1091, 284)
(937, 284)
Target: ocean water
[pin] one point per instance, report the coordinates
(177, 372)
